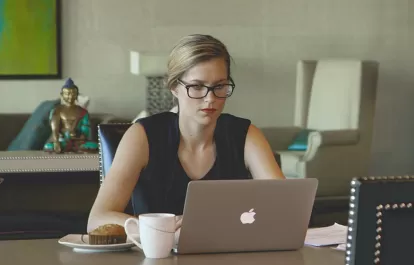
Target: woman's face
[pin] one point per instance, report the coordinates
(206, 109)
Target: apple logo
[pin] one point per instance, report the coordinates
(248, 217)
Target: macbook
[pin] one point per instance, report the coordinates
(246, 215)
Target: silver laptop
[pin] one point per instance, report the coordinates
(246, 215)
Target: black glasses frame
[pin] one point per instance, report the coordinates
(209, 88)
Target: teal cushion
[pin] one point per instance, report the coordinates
(301, 141)
(36, 131)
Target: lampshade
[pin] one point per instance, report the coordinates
(148, 64)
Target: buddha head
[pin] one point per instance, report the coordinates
(69, 92)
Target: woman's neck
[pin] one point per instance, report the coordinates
(195, 137)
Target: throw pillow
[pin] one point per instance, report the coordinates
(300, 143)
(36, 130)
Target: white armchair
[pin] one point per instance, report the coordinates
(335, 99)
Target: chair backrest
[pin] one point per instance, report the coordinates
(109, 136)
(334, 102)
(380, 228)
(329, 94)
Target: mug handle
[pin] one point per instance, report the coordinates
(127, 222)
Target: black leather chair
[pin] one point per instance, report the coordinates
(381, 221)
(109, 136)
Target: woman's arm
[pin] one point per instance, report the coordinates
(259, 156)
(115, 192)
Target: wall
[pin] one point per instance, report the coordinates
(265, 37)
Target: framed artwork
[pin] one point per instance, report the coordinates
(381, 221)
(30, 46)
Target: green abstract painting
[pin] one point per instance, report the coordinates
(29, 39)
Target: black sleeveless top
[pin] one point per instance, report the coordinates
(162, 184)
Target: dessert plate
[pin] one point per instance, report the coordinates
(81, 243)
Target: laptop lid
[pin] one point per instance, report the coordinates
(246, 215)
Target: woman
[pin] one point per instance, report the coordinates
(160, 154)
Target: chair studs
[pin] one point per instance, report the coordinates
(353, 183)
(379, 214)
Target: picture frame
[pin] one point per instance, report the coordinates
(381, 221)
(30, 39)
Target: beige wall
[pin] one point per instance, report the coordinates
(265, 37)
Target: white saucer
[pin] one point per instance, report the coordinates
(75, 241)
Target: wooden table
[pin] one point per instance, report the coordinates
(49, 251)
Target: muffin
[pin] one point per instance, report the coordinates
(108, 234)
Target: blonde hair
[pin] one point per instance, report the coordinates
(191, 50)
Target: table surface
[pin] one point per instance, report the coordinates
(49, 251)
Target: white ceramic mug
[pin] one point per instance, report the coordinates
(156, 233)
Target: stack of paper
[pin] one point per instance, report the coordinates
(326, 236)
(341, 247)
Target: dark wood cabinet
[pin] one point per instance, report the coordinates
(46, 204)
(49, 203)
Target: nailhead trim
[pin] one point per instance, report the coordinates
(47, 157)
(101, 176)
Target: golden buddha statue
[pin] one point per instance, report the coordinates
(70, 124)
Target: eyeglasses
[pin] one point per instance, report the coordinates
(198, 91)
